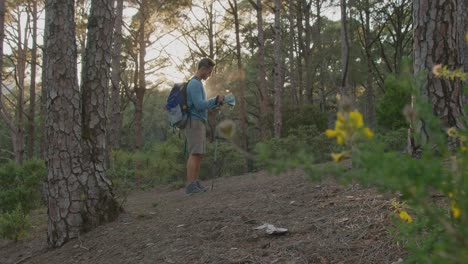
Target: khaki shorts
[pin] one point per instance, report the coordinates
(195, 131)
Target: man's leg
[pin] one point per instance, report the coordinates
(193, 167)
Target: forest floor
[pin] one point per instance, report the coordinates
(326, 222)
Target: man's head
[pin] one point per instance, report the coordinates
(205, 67)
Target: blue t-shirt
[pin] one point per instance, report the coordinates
(196, 100)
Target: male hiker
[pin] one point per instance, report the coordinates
(195, 130)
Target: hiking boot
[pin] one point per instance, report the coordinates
(201, 187)
(192, 188)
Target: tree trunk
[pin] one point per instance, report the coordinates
(3, 114)
(240, 80)
(463, 42)
(115, 124)
(65, 177)
(308, 53)
(32, 89)
(436, 42)
(78, 193)
(344, 51)
(300, 51)
(141, 88)
(278, 122)
(101, 205)
(292, 91)
(18, 136)
(370, 98)
(262, 90)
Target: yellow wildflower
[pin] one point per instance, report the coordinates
(464, 149)
(368, 132)
(466, 37)
(356, 119)
(339, 125)
(456, 212)
(337, 157)
(340, 117)
(340, 139)
(452, 132)
(436, 70)
(331, 133)
(405, 216)
(339, 134)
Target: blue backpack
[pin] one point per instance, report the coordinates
(177, 109)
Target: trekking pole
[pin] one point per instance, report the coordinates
(214, 169)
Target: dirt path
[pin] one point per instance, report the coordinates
(327, 223)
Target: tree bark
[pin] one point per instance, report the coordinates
(78, 192)
(262, 90)
(308, 52)
(115, 124)
(32, 89)
(5, 116)
(240, 80)
(101, 205)
(278, 122)
(344, 50)
(18, 135)
(65, 176)
(369, 93)
(292, 91)
(436, 42)
(300, 51)
(140, 90)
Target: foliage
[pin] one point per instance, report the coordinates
(20, 192)
(390, 106)
(307, 115)
(163, 162)
(229, 160)
(21, 185)
(393, 140)
(433, 229)
(14, 224)
(304, 143)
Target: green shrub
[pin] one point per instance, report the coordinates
(304, 143)
(21, 185)
(229, 160)
(162, 163)
(395, 140)
(397, 94)
(307, 115)
(15, 224)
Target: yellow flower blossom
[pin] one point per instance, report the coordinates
(337, 157)
(405, 216)
(340, 117)
(339, 134)
(464, 149)
(466, 37)
(368, 132)
(340, 140)
(456, 212)
(436, 70)
(331, 133)
(356, 119)
(452, 132)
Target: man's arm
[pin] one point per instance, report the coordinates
(194, 91)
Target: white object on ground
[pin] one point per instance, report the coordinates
(271, 229)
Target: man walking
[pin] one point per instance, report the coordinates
(195, 130)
